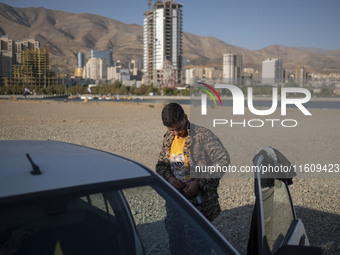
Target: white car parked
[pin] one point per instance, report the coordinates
(60, 198)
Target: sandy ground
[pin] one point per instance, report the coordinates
(135, 130)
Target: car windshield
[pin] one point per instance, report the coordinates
(134, 220)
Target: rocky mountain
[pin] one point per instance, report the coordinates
(66, 33)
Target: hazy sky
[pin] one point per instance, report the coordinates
(251, 24)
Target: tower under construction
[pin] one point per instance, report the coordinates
(33, 72)
(24, 64)
(163, 44)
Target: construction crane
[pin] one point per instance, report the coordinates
(149, 4)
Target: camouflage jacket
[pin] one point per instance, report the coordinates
(202, 148)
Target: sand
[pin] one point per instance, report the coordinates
(135, 130)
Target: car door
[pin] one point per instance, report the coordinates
(278, 230)
(157, 209)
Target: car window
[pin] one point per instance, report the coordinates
(91, 224)
(130, 221)
(157, 215)
(98, 201)
(277, 212)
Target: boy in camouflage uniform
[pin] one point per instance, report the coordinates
(186, 145)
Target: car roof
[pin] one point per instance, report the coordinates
(62, 165)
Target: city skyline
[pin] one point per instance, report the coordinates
(249, 24)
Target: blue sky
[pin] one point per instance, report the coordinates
(251, 24)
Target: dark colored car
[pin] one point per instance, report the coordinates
(60, 198)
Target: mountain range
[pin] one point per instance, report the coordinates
(66, 34)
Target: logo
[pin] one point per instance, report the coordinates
(238, 100)
(204, 97)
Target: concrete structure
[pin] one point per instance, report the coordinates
(272, 71)
(23, 63)
(301, 77)
(34, 71)
(96, 69)
(135, 66)
(162, 41)
(232, 68)
(195, 73)
(125, 74)
(113, 73)
(125, 70)
(251, 76)
(6, 56)
(11, 53)
(190, 76)
(24, 45)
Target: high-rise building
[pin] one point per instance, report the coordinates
(78, 72)
(301, 76)
(272, 71)
(190, 76)
(113, 73)
(11, 53)
(135, 66)
(81, 59)
(232, 68)
(96, 69)
(105, 54)
(163, 44)
(22, 45)
(6, 56)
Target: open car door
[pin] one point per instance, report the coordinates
(275, 228)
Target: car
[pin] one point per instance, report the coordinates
(62, 198)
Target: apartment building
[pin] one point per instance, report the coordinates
(163, 44)
(272, 71)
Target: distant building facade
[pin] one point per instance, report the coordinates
(33, 71)
(11, 53)
(24, 45)
(6, 56)
(96, 69)
(272, 71)
(81, 59)
(104, 54)
(24, 63)
(125, 74)
(232, 68)
(195, 73)
(302, 77)
(136, 66)
(113, 73)
(163, 42)
(78, 72)
(190, 76)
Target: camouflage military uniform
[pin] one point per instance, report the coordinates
(202, 148)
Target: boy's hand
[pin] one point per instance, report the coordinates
(176, 183)
(191, 189)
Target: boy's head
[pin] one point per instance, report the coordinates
(175, 119)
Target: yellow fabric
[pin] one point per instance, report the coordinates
(58, 250)
(179, 161)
